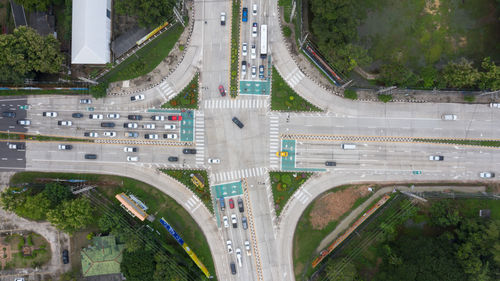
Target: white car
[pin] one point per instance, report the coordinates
(254, 71)
(495, 105)
(96, 116)
(130, 149)
(65, 147)
(149, 126)
(137, 97)
(113, 116)
(254, 9)
(170, 127)
(222, 18)
(91, 134)
(436, 158)
(229, 246)
(169, 136)
(214, 160)
(64, 123)
(226, 221)
(50, 114)
(85, 101)
(247, 247)
(244, 49)
(234, 221)
(151, 136)
(238, 256)
(132, 158)
(449, 117)
(130, 125)
(254, 29)
(24, 122)
(253, 52)
(110, 134)
(487, 175)
(158, 118)
(16, 146)
(243, 68)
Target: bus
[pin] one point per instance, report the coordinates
(263, 41)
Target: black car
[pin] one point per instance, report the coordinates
(65, 256)
(240, 205)
(77, 115)
(189, 151)
(244, 222)
(233, 268)
(237, 122)
(135, 117)
(108, 124)
(90, 156)
(330, 163)
(173, 159)
(9, 114)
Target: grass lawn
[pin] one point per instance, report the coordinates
(184, 176)
(159, 204)
(187, 98)
(467, 142)
(284, 185)
(147, 58)
(419, 33)
(306, 238)
(284, 98)
(287, 9)
(40, 250)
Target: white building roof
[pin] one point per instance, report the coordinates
(91, 32)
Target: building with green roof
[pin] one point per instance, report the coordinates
(102, 257)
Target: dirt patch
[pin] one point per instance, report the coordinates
(333, 205)
(432, 7)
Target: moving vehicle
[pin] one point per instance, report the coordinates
(222, 91)
(170, 127)
(24, 122)
(132, 134)
(77, 115)
(175, 117)
(48, 114)
(233, 268)
(107, 124)
(169, 136)
(495, 105)
(486, 175)
(65, 256)
(151, 136)
(222, 204)
(244, 49)
(96, 116)
(263, 41)
(449, 117)
(244, 15)
(436, 158)
(330, 163)
(130, 125)
(91, 134)
(254, 71)
(234, 221)
(65, 147)
(214, 160)
(261, 71)
(17, 146)
(90, 156)
(222, 18)
(132, 158)
(238, 256)
(231, 203)
(348, 146)
(226, 221)
(110, 134)
(229, 246)
(158, 118)
(130, 149)
(137, 97)
(10, 114)
(113, 116)
(173, 159)
(85, 101)
(254, 29)
(282, 153)
(149, 126)
(244, 222)
(253, 52)
(237, 122)
(243, 68)
(247, 247)
(189, 151)
(240, 205)
(134, 117)
(254, 9)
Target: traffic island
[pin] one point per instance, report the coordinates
(286, 99)
(196, 181)
(284, 184)
(187, 98)
(235, 47)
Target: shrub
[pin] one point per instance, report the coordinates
(287, 32)
(384, 98)
(29, 240)
(286, 179)
(469, 98)
(350, 94)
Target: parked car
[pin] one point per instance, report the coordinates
(85, 101)
(130, 125)
(158, 118)
(231, 203)
(222, 91)
(64, 123)
(170, 127)
(77, 115)
(169, 136)
(132, 158)
(49, 114)
(24, 122)
(135, 117)
(65, 147)
(151, 136)
(436, 158)
(234, 221)
(237, 122)
(244, 49)
(486, 175)
(222, 18)
(130, 149)
(254, 29)
(96, 116)
(173, 159)
(65, 256)
(240, 205)
(189, 151)
(175, 117)
(113, 115)
(107, 124)
(110, 134)
(244, 15)
(149, 126)
(91, 134)
(137, 97)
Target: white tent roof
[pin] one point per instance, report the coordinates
(91, 32)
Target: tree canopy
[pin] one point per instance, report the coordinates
(25, 52)
(37, 5)
(57, 193)
(149, 13)
(460, 74)
(71, 215)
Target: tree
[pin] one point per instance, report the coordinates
(341, 270)
(429, 76)
(395, 73)
(444, 214)
(138, 266)
(149, 13)
(57, 193)
(35, 207)
(25, 52)
(460, 74)
(490, 78)
(167, 270)
(37, 5)
(71, 215)
(347, 57)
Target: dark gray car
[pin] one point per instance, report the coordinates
(189, 151)
(244, 222)
(238, 122)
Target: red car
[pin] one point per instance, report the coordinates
(175, 118)
(222, 91)
(231, 203)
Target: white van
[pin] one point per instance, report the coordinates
(348, 146)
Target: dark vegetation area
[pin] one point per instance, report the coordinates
(422, 44)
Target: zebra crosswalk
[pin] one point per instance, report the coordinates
(199, 134)
(239, 174)
(294, 77)
(302, 195)
(238, 103)
(193, 203)
(166, 90)
(274, 141)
